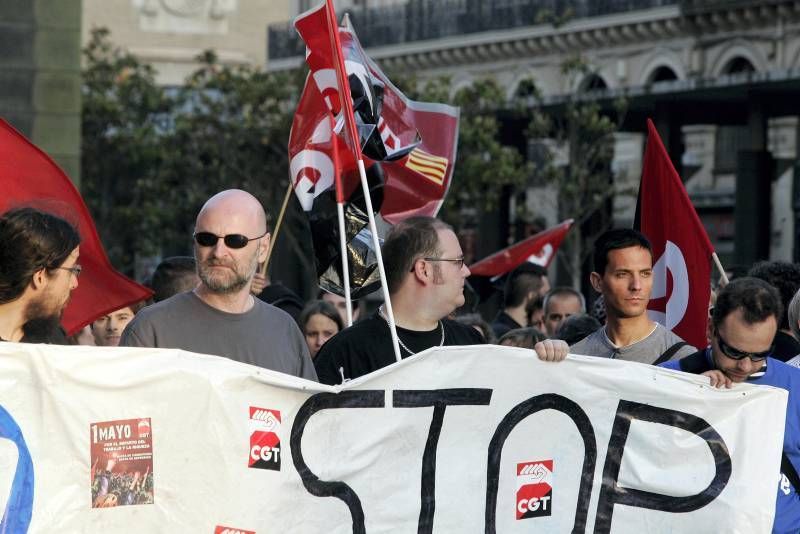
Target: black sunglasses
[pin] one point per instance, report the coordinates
(736, 354)
(207, 239)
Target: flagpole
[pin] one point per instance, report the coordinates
(345, 265)
(349, 119)
(263, 269)
(722, 272)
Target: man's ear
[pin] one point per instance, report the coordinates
(710, 329)
(597, 281)
(263, 248)
(39, 279)
(420, 271)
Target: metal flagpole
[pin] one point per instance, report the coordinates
(347, 109)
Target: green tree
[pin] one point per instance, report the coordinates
(125, 117)
(152, 156)
(484, 166)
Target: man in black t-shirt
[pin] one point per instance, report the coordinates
(425, 274)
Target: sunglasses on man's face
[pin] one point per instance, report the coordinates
(207, 239)
(736, 354)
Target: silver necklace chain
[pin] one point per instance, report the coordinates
(409, 351)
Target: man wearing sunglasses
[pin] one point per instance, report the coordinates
(425, 273)
(220, 316)
(742, 328)
(39, 259)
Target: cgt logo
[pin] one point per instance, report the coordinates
(228, 530)
(534, 489)
(265, 443)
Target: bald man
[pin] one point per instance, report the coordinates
(220, 316)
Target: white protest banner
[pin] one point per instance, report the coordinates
(459, 439)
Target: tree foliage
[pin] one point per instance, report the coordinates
(484, 165)
(151, 156)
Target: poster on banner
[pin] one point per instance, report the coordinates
(122, 463)
(455, 439)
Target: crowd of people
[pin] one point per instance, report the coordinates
(218, 303)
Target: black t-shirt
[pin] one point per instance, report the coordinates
(284, 298)
(786, 347)
(367, 346)
(504, 323)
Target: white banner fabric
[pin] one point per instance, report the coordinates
(459, 439)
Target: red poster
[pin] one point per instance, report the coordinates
(122, 463)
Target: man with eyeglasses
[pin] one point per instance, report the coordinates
(39, 269)
(742, 328)
(220, 316)
(425, 274)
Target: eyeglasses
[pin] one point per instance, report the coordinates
(736, 354)
(207, 239)
(459, 262)
(75, 270)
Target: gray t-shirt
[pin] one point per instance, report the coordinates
(263, 336)
(647, 350)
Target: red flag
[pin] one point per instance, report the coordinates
(28, 177)
(539, 249)
(412, 143)
(681, 248)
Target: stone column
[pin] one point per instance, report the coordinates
(40, 84)
(754, 176)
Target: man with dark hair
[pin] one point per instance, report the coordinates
(623, 275)
(576, 327)
(39, 258)
(559, 303)
(523, 285)
(785, 277)
(425, 275)
(743, 324)
(176, 274)
(220, 316)
(339, 302)
(278, 295)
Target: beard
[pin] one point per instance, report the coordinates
(45, 309)
(231, 281)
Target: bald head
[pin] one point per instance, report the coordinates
(235, 203)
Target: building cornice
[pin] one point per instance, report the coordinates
(607, 31)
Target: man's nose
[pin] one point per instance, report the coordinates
(636, 282)
(219, 248)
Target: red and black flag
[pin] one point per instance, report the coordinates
(408, 149)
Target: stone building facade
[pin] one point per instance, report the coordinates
(717, 76)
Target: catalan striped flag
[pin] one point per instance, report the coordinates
(434, 168)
